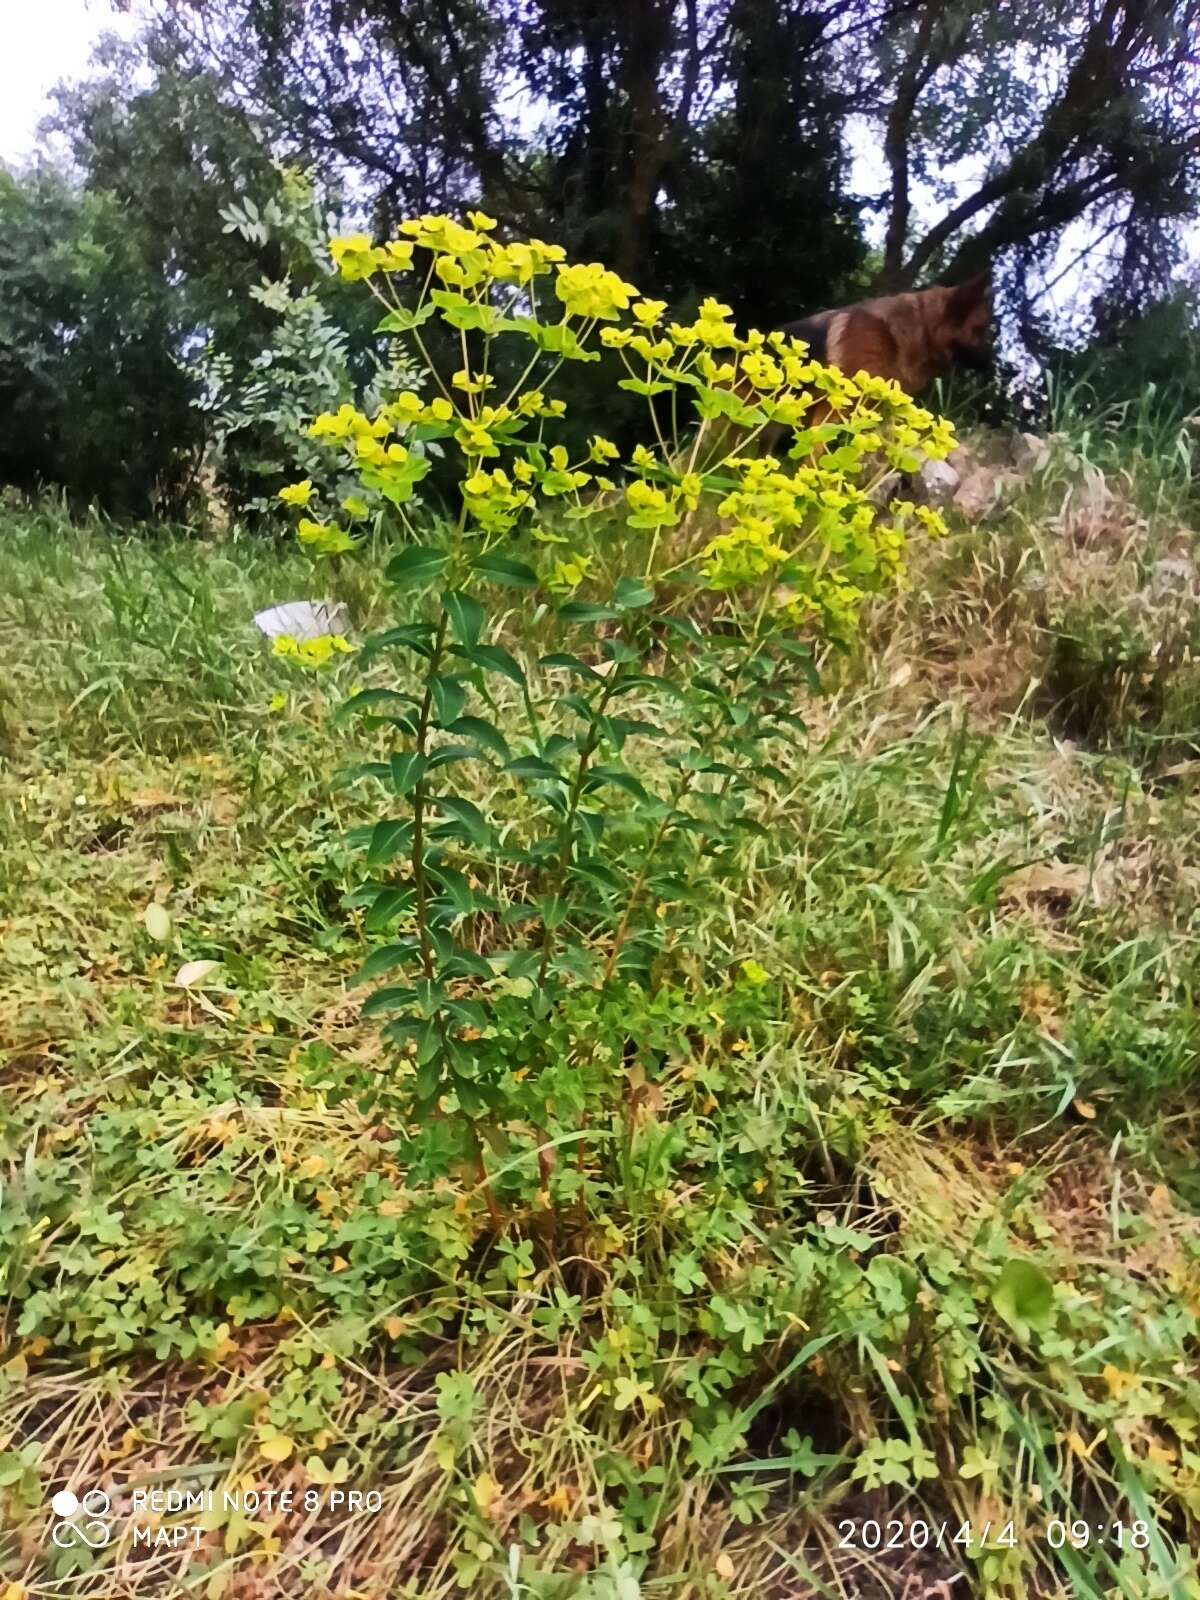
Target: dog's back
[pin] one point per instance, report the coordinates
(908, 338)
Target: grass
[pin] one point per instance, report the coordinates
(795, 1307)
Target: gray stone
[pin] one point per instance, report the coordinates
(939, 480)
(1171, 575)
(1031, 453)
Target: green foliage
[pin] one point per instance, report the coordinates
(90, 396)
(171, 307)
(313, 358)
(820, 1132)
(1125, 676)
(698, 148)
(587, 870)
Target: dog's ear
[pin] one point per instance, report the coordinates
(973, 295)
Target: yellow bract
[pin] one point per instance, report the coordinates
(355, 257)
(806, 533)
(593, 291)
(311, 652)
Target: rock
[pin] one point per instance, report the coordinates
(1031, 453)
(939, 480)
(983, 492)
(1171, 576)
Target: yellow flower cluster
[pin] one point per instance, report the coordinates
(493, 500)
(809, 529)
(593, 291)
(356, 258)
(463, 256)
(312, 653)
(323, 540)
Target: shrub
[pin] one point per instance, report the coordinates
(1124, 677)
(315, 357)
(91, 397)
(521, 938)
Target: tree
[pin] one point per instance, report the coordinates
(760, 211)
(236, 240)
(639, 132)
(677, 135)
(91, 397)
(1071, 111)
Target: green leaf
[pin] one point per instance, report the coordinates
(631, 594)
(467, 814)
(389, 904)
(446, 754)
(571, 664)
(386, 959)
(466, 615)
(600, 775)
(471, 315)
(406, 771)
(461, 899)
(405, 321)
(418, 564)
(494, 658)
(466, 964)
(369, 699)
(683, 628)
(483, 733)
(712, 403)
(558, 338)
(642, 387)
(388, 840)
(499, 569)
(518, 963)
(469, 1012)
(559, 745)
(416, 636)
(593, 870)
(449, 697)
(553, 910)
(586, 611)
(1024, 1296)
(533, 767)
(387, 1000)
(429, 1078)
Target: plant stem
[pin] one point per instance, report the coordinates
(420, 882)
(568, 832)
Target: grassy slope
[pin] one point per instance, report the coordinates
(978, 1041)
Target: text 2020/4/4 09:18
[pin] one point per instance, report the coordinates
(865, 1533)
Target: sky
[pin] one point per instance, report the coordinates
(42, 41)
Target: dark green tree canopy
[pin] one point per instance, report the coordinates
(91, 396)
(780, 154)
(706, 140)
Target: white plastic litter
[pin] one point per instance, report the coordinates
(194, 972)
(304, 619)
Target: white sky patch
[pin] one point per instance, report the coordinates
(41, 43)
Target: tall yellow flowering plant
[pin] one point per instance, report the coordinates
(810, 524)
(790, 545)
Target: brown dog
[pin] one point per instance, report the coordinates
(909, 338)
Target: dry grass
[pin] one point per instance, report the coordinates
(984, 938)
